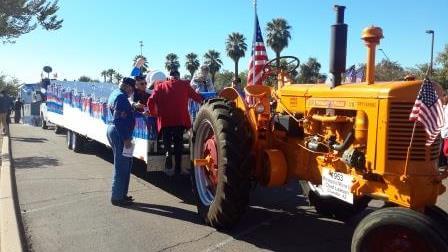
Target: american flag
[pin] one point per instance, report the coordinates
(428, 110)
(259, 57)
(350, 74)
(359, 76)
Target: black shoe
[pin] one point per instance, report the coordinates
(168, 163)
(122, 202)
(129, 198)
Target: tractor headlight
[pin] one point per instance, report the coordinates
(259, 108)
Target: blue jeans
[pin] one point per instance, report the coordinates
(122, 165)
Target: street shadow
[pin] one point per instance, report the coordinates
(34, 162)
(29, 139)
(166, 211)
(179, 186)
(277, 219)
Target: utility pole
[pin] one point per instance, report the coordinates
(381, 49)
(432, 50)
(141, 48)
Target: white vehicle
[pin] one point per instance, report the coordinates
(80, 110)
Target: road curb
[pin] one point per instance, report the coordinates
(10, 235)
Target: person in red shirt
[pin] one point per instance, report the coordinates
(169, 103)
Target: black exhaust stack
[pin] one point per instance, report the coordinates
(338, 47)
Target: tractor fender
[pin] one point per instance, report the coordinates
(231, 94)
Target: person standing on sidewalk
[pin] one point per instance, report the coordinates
(18, 108)
(5, 107)
(169, 103)
(119, 134)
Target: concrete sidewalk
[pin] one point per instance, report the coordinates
(11, 233)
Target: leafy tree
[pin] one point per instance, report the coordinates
(309, 72)
(419, 70)
(214, 62)
(387, 70)
(84, 78)
(223, 79)
(104, 74)
(110, 73)
(10, 86)
(18, 17)
(236, 48)
(192, 63)
(243, 77)
(144, 68)
(278, 36)
(172, 62)
(442, 60)
(118, 77)
(186, 77)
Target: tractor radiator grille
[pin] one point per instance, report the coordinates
(399, 135)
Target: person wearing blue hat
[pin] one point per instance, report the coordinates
(119, 135)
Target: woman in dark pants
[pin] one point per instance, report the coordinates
(119, 134)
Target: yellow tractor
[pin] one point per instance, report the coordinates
(346, 143)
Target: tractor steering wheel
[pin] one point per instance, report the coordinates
(271, 67)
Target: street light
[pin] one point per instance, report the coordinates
(432, 49)
(381, 49)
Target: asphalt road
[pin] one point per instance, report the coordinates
(65, 206)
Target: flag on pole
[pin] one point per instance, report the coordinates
(258, 58)
(359, 75)
(350, 74)
(428, 111)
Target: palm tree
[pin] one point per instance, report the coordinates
(236, 47)
(278, 36)
(192, 63)
(110, 74)
(118, 77)
(144, 68)
(212, 59)
(172, 62)
(104, 74)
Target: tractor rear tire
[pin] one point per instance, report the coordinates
(331, 207)
(398, 229)
(222, 198)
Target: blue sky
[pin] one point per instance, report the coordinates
(102, 34)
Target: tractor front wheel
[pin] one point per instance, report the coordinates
(221, 135)
(398, 229)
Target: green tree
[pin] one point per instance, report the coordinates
(442, 73)
(84, 78)
(236, 48)
(110, 73)
(214, 62)
(172, 62)
(144, 68)
(192, 63)
(309, 72)
(223, 79)
(11, 86)
(118, 77)
(104, 74)
(278, 36)
(243, 77)
(18, 17)
(387, 70)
